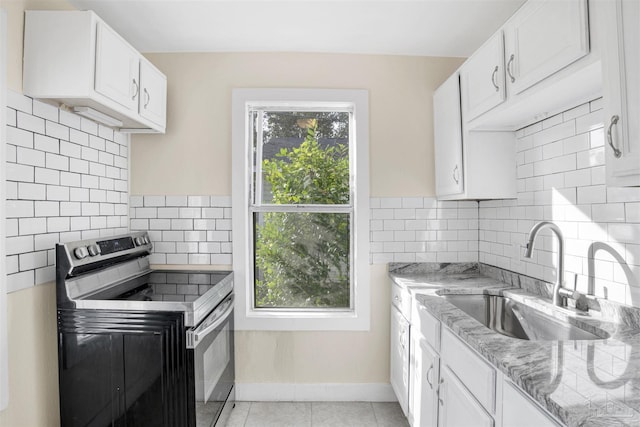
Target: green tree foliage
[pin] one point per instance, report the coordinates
(302, 258)
(328, 124)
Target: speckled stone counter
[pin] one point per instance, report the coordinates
(583, 383)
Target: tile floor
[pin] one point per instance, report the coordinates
(317, 414)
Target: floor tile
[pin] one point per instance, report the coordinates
(238, 414)
(342, 414)
(389, 414)
(279, 414)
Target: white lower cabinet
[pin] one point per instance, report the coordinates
(423, 392)
(520, 411)
(399, 358)
(458, 407)
(440, 381)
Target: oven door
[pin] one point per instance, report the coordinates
(211, 350)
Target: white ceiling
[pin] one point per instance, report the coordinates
(397, 27)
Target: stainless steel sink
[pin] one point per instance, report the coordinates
(516, 320)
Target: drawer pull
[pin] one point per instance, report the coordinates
(616, 151)
(137, 89)
(493, 79)
(430, 370)
(511, 58)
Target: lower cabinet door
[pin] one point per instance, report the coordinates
(399, 358)
(424, 384)
(458, 407)
(520, 411)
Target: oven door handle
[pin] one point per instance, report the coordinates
(215, 319)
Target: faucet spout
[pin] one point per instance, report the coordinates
(557, 295)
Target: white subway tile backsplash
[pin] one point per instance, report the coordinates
(30, 157)
(11, 117)
(154, 201)
(48, 186)
(56, 130)
(19, 137)
(19, 245)
(182, 224)
(18, 101)
(79, 194)
(19, 281)
(31, 123)
(58, 162)
(97, 143)
(574, 196)
(45, 111)
(33, 260)
(396, 236)
(28, 226)
(29, 191)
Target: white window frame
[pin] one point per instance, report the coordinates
(4, 354)
(246, 316)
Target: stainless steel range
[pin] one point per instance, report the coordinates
(141, 347)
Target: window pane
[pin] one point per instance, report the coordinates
(305, 157)
(302, 260)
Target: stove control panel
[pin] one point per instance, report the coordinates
(86, 252)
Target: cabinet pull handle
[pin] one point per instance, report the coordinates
(614, 121)
(135, 84)
(430, 370)
(397, 298)
(455, 174)
(440, 386)
(493, 79)
(511, 58)
(147, 96)
(403, 339)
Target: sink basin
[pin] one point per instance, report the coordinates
(507, 317)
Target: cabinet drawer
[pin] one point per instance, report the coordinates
(477, 375)
(425, 324)
(401, 298)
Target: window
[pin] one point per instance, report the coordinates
(300, 203)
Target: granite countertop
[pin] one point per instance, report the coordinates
(582, 382)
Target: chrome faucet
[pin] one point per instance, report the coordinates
(559, 293)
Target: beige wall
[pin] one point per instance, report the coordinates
(194, 157)
(33, 359)
(31, 317)
(198, 134)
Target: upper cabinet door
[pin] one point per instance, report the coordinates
(117, 68)
(153, 96)
(543, 37)
(482, 78)
(621, 78)
(447, 126)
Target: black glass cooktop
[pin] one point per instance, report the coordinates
(179, 286)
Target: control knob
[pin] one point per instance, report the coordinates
(94, 250)
(81, 252)
(138, 241)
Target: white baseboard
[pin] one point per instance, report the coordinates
(323, 392)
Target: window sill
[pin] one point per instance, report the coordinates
(297, 321)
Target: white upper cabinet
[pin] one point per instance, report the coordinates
(543, 37)
(447, 126)
(153, 93)
(541, 62)
(469, 165)
(76, 59)
(482, 78)
(621, 70)
(117, 68)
